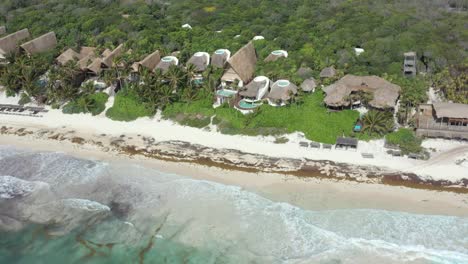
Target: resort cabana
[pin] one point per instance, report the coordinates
(108, 58)
(241, 66)
(200, 60)
(10, 43)
(2, 30)
(443, 120)
(149, 62)
(304, 72)
(44, 43)
(280, 93)
(256, 89)
(343, 142)
(328, 72)
(166, 62)
(385, 94)
(220, 57)
(70, 55)
(309, 85)
(275, 55)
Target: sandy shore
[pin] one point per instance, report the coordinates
(302, 192)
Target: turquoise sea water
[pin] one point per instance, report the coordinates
(58, 209)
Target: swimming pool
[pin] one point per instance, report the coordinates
(248, 105)
(226, 93)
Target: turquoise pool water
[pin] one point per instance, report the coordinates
(248, 105)
(226, 93)
(219, 52)
(283, 83)
(277, 52)
(167, 59)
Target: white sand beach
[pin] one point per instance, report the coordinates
(446, 161)
(306, 193)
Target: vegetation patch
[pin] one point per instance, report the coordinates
(128, 107)
(406, 140)
(309, 116)
(92, 103)
(281, 140)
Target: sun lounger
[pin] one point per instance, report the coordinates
(327, 146)
(303, 144)
(314, 145)
(367, 155)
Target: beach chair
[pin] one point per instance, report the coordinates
(367, 155)
(303, 144)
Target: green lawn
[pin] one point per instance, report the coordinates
(311, 118)
(127, 107)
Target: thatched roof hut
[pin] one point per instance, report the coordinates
(304, 72)
(67, 56)
(200, 60)
(451, 110)
(44, 43)
(328, 72)
(256, 88)
(149, 62)
(2, 30)
(220, 57)
(108, 59)
(385, 94)
(10, 43)
(275, 55)
(281, 90)
(82, 57)
(309, 85)
(242, 64)
(167, 62)
(95, 66)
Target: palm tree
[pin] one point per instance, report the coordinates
(190, 72)
(174, 76)
(379, 122)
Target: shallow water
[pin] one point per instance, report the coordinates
(54, 207)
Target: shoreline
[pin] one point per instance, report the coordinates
(277, 186)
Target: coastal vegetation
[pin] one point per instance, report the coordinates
(406, 140)
(316, 34)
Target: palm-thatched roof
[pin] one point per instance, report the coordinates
(281, 90)
(86, 54)
(95, 66)
(309, 85)
(275, 55)
(451, 110)
(220, 57)
(328, 72)
(2, 30)
(385, 93)
(43, 43)
(10, 43)
(252, 89)
(149, 62)
(243, 62)
(166, 62)
(304, 72)
(86, 51)
(200, 60)
(108, 59)
(67, 56)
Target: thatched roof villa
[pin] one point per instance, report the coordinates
(275, 55)
(309, 85)
(281, 92)
(256, 89)
(108, 59)
(443, 120)
(70, 55)
(200, 60)
(166, 62)
(385, 94)
(10, 43)
(2, 30)
(241, 66)
(328, 72)
(149, 62)
(44, 43)
(220, 57)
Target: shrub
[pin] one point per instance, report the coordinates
(406, 140)
(127, 107)
(93, 103)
